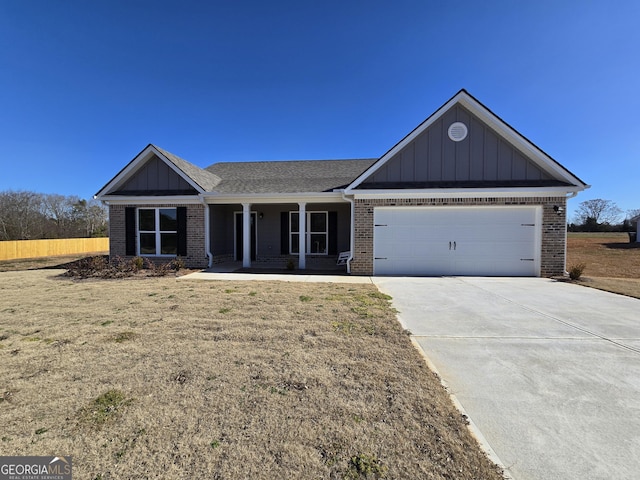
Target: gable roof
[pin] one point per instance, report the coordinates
(204, 179)
(316, 176)
(201, 180)
(293, 176)
(269, 177)
(554, 173)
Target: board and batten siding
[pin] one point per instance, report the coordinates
(482, 156)
(156, 175)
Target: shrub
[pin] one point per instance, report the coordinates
(290, 264)
(122, 268)
(100, 267)
(137, 263)
(158, 270)
(575, 271)
(177, 264)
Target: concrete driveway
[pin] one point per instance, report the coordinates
(549, 372)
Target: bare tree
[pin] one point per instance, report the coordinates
(29, 215)
(21, 215)
(597, 212)
(634, 212)
(59, 211)
(90, 217)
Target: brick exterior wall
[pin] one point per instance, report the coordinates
(196, 253)
(117, 239)
(552, 255)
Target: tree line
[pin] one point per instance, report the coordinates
(28, 215)
(599, 215)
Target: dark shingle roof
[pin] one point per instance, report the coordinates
(205, 180)
(294, 176)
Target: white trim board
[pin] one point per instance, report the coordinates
(133, 200)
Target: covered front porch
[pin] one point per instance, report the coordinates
(264, 235)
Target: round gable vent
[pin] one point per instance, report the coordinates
(457, 131)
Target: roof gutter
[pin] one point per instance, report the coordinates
(573, 194)
(465, 192)
(352, 229)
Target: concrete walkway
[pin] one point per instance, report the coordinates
(548, 371)
(270, 277)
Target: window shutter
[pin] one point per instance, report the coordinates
(130, 230)
(333, 233)
(284, 233)
(181, 214)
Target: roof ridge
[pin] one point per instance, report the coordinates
(292, 161)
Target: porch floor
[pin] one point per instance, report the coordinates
(274, 268)
(233, 271)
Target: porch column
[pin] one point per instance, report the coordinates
(246, 235)
(302, 221)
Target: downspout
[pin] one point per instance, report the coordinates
(570, 195)
(105, 203)
(207, 234)
(352, 240)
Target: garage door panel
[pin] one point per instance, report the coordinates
(504, 268)
(494, 249)
(517, 234)
(456, 241)
(409, 266)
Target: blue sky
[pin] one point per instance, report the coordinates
(85, 85)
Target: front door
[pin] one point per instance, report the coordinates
(239, 233)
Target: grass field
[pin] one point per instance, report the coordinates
(160, 378)
(611, 262)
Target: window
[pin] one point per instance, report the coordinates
(316, 232)
(158, 231)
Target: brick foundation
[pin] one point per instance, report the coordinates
(552, 255)
(313, 262)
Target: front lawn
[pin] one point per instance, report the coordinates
(611, 262)
(159, 378)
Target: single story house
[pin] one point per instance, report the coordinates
(462, 194)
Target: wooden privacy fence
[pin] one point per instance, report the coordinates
(14, 249)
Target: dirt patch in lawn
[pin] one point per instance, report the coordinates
(158, 378)
(37, 263)
(612, 263)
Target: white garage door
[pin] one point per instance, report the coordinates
(482, 241)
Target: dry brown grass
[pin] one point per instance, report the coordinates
(612, 263)
(159, 378)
